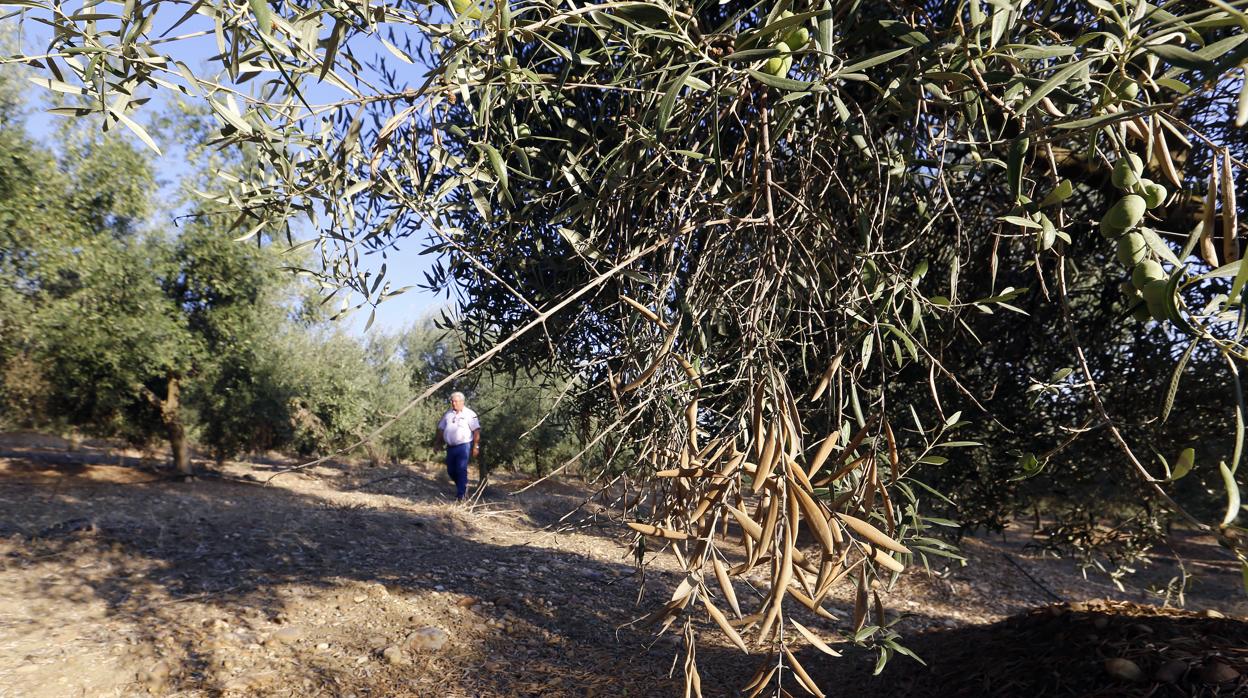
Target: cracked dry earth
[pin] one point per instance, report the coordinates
(357, 581)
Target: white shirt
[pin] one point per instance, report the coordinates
(457, 427)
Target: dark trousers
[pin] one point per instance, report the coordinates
(457, 467)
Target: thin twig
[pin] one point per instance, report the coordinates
(1147, 477)
(497, 348)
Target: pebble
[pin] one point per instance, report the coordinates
(1123, 669)
(1216, 671)
(429, 639)
(284, 636)
(394, 655)
(378, 589)
(322, 645)
(360, 599)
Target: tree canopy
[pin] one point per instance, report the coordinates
(815, 261)
(121, 319)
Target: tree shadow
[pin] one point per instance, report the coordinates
(226, 587)
(208, 575)
(552, 504)
(1085, 649)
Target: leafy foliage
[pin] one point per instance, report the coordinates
(780, 244)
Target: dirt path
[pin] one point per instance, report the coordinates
(365, 582)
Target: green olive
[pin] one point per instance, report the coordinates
(1123, 216)
(1145, 273)
(797, 38)
(1127, 171)
(1132, 249)
(1155, 195)
(1155, 291)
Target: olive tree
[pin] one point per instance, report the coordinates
(770, 236)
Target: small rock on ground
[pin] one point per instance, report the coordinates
(284, 636)
(427, 639)
(394, 655)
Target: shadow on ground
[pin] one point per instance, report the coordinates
(320, 586)
(234, 586)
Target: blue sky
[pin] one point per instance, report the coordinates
(405, 266)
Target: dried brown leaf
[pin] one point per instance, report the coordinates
(1208, 219)
(894, 461)
(845, 470)
(751, 528)
(757, 419)
(815, 518)
(725, 585)
(762, 679)
(649, 530)
(883, 559)
(644, 311)
(767, 460)
(1162, 152)
(871, 533)
(693, 680)
(814, 639)
(643, 376)
(767, 540)
(684, 472)
(826, 378)
(810, 603)
(782, 580)
(722, 622)
(685, 588)
(800, 672)
(797, 475)
(712, 495)
(746, 621)
(691, 423)
(887, 506)
(831, 581)
(825, 450)
(689, 370)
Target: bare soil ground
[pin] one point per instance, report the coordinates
(354, 581)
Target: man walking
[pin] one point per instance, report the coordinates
(460, 430)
